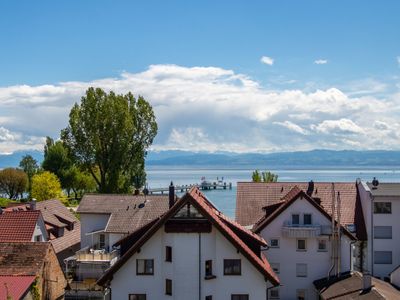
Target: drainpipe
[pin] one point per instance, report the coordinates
(199, 266)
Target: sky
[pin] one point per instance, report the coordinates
(239, 76)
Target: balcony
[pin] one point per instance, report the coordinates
(300, 230)
(91, 255)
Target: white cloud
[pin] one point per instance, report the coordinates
(398, 60)
(210, 108)
(320, 61)
(293, 127)
(267, 60)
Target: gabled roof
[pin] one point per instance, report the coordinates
(19, 225)
(201, 203)
(350, 286)
(23, 258)
(294, 194)
(15, 287)
(252, 197)
(127, 212)
(56, 215)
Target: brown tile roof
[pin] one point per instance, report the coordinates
(15, 286)
(22, 258)
(350, 286)
(18, 226)
(197, 199)
(385, 189)
(290, 198)
(128, 212)
(252, 197)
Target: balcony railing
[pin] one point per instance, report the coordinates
(87, 255)
(300, 230)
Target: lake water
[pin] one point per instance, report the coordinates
(225, 199)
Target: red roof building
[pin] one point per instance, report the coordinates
(15, 287)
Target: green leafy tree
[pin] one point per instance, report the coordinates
(30, 167)
(108, 134)
(266, 176)
(45, 186)
(13, 182)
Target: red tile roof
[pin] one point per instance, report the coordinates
(18, 226)
(252, 197)
(15, 287)
(222, 223)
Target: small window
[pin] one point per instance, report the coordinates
(307, 219)
(209, 272)
(232, 267)
(382, 207)
(383, 257)
(168, 287)
(144, 266)
(295, 219)
(274, 243)
(274, 293)
(137, 296)
(301, 294)
(322, 245)
(301, 245)
(102, 241)
(240, 297)
(38, 238)
(382, 232)
(275, 267)
(209, 297)
(301, 270)
(168, 253)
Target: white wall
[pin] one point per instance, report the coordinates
(366, 202)
(90, 223)
(184, 269)
(318, 263)
(383, 270)
(395, 277)
(40, 229)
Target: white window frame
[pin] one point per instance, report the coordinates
(276, 266)
(305, 245)
(271, 296)
(301, 274)
(270, 243)
(326, 245)
(311, 219)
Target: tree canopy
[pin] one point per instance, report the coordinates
(266, 176)
(108, 134)
(13, 182)
(45, 185)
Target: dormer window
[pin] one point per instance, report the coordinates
(188, 211)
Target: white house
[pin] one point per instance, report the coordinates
(191, 252)
(296, 221)
(381, 206)
(105, 219)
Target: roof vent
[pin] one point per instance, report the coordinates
(141, 205)
(375, 183)
(282, 189)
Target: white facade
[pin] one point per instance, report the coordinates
(187, 269)
(40, 233)
(381, 245)
(291, 261)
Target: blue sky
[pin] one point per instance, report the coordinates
(49, 44)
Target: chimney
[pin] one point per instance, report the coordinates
(171, 194)
(310, 188)
(367, 281)
(32, 204)
(375, 183)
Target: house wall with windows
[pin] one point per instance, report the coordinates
(381, 208)
(91, 223)
(190, 251)
(40, 233)
(298, 268)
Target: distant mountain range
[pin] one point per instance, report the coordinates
(314, 159)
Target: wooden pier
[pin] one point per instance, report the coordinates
(205, 185)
